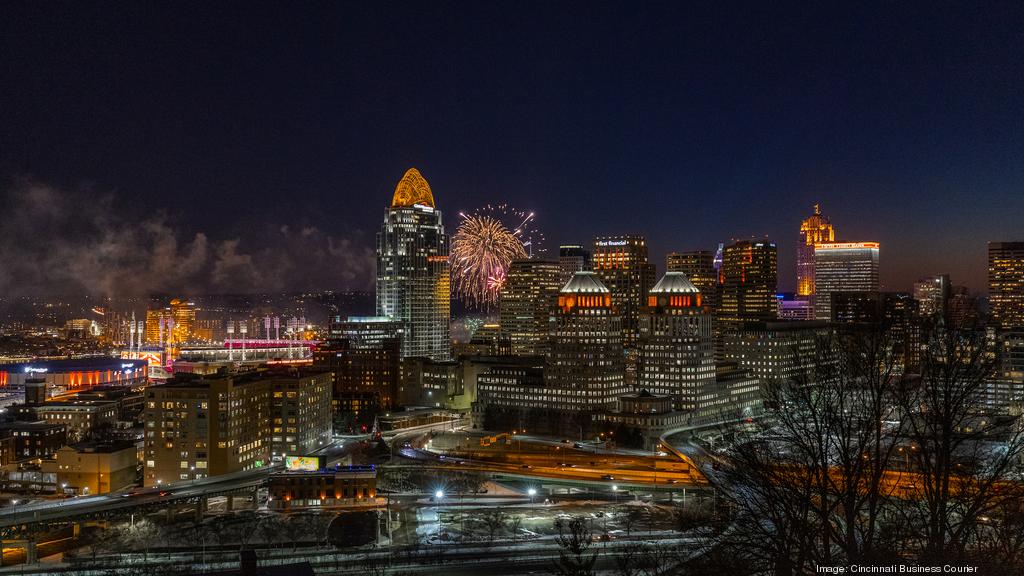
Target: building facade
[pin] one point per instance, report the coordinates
(623, 268)
(843, 267)
(527, 302)
(699, 268)
(815, 230)
(1006, 284)
(413, 282)
(586, 366)
(749, 277)
(572, 258)
(676, 350)
(932, 294)
(207, 426)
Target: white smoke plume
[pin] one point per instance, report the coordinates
(59, 241)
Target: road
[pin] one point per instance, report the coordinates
(52, 510)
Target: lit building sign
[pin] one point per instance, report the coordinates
(845, 245)
(302, 463)
(611, 243)
(32, 370)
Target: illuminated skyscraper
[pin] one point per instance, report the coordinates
(676, 351)
(171, 325)
(932, 294)
(749, 275)
(572, 258)
(843, 267)
(699, 268)
(622, 266)
(813, 230)
(413, 283)
(586, 369)
(1006, 284)
(527, 302)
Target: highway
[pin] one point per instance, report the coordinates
(54, 510)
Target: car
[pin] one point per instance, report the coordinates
(526, 467)
(607, 477)
(566, 441)
(672, 481)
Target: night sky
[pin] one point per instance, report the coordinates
(246, 146)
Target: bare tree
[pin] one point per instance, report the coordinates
(575, 555)
(494, 519)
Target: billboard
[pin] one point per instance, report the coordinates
(302, 463)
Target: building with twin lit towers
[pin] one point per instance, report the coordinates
(413, 282)
(814, 230)
(676, 349)
(621, 264)
(843, 267)
(1006, 284)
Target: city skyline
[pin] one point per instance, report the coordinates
(684, 135)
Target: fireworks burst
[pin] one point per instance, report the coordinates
(481, 250)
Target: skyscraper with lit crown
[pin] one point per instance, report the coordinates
(676, 350)
(814, 230)
(622, 265)
(586, 368)
(413, 282)
(843, 267)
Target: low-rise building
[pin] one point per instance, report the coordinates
(91, 468)
(340, 486)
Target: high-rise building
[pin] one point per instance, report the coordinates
(171, 325)
(572, 258)
(749, 278)
(622, 266)
(932, 294)
(363, 356)
(896, 313)
(1006, 284)
(586, 367)
(413, 282)
(676, 350)
(814, 230)
(843, 267)
(526, 304)
(699, 267)
(207, 426)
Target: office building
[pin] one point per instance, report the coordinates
(526, 304)
(413, 282)
(749, 278)
(843, 267)
(363, 356)
(338, 486)
(586, 366)
(94, 468)
(1006, 284)
(171, 325)
(815, 230)
(676, 350)
(778, 351)
(621, 265)
(895, 313)
(932, 294)
(699, 267)
(34, 439)
(1005, 387)
(206, 426)
(572, 258)
(793, 307)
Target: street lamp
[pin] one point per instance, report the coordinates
(438, 495)
(532, 492)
